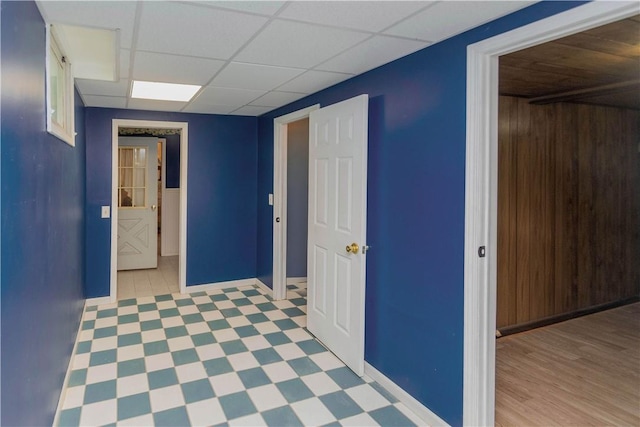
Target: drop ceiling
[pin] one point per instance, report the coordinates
(254, 56)
(598, 66)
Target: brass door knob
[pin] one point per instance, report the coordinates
(353, 248)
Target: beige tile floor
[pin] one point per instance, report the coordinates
(145, 283)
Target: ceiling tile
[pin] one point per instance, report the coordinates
(125, 59)
(252, 76)
(159, 67)
(153, 105)
(98, 87)
(313, 81)
(185, 29)
(292, 44)
(250, 110)
(368, 16)
(104, 101)
(96, 14)
(277, 99)
(209, 109)
(448, 18)
(259, 7)
(371, 54)
(227, 96)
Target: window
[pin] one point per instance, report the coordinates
(60, 95)
(132, 173)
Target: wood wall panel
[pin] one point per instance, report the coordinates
(568, 208)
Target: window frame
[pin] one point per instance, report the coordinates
(66, 130)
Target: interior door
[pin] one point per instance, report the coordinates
(337, 228)
(137, 203)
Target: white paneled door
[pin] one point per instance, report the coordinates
(337, 228)
(137, 203)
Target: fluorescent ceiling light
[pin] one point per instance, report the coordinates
(163, 91)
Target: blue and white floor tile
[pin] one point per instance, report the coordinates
(230, 357)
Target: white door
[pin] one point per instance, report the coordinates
(137, 203)
(337, 228)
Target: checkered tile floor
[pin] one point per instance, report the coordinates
(222, 357)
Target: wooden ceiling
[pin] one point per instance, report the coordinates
(598, 66)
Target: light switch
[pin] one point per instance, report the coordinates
(106, 212)
(270, 199)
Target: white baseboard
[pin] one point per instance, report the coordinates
(264, 287)
(409, 401)
(220, 285)
(63, 392)
(90, 302)
(296, 280)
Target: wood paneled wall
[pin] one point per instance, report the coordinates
(568, 208)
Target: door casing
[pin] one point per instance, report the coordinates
(280, 198)
(184, 146)
(481, 190)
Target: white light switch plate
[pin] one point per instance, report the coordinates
(270, 199)
(106, 212)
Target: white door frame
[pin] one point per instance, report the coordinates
(184, 144)
(280, 125)
(481, 190)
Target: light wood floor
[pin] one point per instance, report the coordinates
(581, 372)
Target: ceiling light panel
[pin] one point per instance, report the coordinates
(253, 76)
(300, 45)
(159, 67)
(185, 29)
(371, 16)
(163, 91)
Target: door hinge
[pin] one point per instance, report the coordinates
(482, 252)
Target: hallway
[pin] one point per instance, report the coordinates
(150, 282)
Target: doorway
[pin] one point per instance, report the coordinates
(178, 263)
(280, 198)
(481, 192)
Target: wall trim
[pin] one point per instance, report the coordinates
(405, 398)
(65, 382)
(90, 302)
(184, 151)
(280, 197)
(481, 190)
(296, 280)
(220, 285)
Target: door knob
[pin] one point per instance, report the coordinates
(153, 207)
(353, 248)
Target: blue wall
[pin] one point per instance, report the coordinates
(221, 209)
(297, 197)
(172, 161)
(42, 229)
(414, 303)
